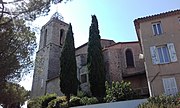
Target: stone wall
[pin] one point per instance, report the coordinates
(47, 66)
(53, 86)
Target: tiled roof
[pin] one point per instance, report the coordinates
(156, 16)
(131, 42)
(87, 43)
(153, 17)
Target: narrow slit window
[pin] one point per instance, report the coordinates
(61, 36)
(45, 37)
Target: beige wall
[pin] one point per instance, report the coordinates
(171, 33)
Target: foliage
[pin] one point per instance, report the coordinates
(81, 94)
(34, 103)
(119, 91)
(56, 103)
(46, 99)
(95, 61)
(64, 105)
(74, 101)
(88, 101)
(13, 94)
(41, 102)
(17, 44)
(53, 101)
(68, 75)
(26, 9)
(162, 101)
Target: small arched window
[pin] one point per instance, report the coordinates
(129, 58)
(61, 36)
(45, 37)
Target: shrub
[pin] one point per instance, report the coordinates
(88, 101)
(119, 91)
(41, 102)
(74, 101)
(46, 99)
(64, 105)
(81, 94)
(161, 101)
(56, 102)
(34, 103)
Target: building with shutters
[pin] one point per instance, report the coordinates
(121, 61)
(160, 42)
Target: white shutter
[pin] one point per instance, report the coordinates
(170, 87)
(166, 86)
(174, 89)
(172, 52)
(154, 55)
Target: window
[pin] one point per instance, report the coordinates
(84, 78)
(45, 37)
(129, 58)
(163, 54)
(157, 28)
(83, 59)
(42, 82)
(170, 87)
(61, 35)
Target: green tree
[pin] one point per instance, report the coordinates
(26, 9)
(95, 61)
(17, 44)
(13, 95)
(68, 73)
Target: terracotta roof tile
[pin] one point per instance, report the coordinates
(156, 16)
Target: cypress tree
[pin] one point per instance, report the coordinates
(68, 73)
(95, 62)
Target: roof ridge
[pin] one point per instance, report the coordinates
(155, 16)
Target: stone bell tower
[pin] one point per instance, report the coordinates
(47, 64)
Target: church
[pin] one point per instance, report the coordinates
(121, 61)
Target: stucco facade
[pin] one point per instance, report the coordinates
(160, 43)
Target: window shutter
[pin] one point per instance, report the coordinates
(174, 89)
(172, 52)
(166, 86)
(154, 55)
(170, 87)
(154, 29)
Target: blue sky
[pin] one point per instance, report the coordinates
(115, 18)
